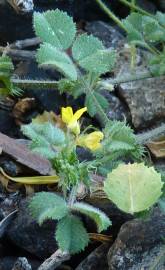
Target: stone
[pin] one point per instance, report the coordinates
(97, 259)
(146, 101)
(140, 244)
(25, 233)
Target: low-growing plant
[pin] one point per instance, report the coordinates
(132, 187)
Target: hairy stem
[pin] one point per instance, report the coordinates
(150, 135)
(37, 84)
(135, 7)
(127, 79)
(111, 14)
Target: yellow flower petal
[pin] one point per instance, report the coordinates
(78, 114)
(67, 115)
(91, 141)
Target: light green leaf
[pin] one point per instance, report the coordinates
(71, 234)
(91, 55)
(157, 64)
(101, 220)
(55, 27)
(47, 55)
(47, 205)
(160, 17)
(133, 187)
(89, 101)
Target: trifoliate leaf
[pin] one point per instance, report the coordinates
(91, 55)
(47, 55)
(47, 205)
(133, 187)
(101, 220)
(55, 27)
(71, 234)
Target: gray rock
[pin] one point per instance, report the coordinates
(110, 35)
(139, 245)
(146, 101)
(96, 260)
(27, 234)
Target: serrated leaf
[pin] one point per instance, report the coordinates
(89, 103)
(47, 205)
(101, 220)
(47, 55)
(71, 234)
(133, 187)
(91, 55)
(160, 18)
(55, 27)
(46, 132)
(157, 64)
(118, 136)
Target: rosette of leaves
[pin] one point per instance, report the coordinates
(6, 70)
(70, 234)
(86, 61)
(134, 187)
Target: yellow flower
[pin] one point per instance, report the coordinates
(91, 140)
(71, 120)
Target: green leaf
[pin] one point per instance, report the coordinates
(133, 187)
(71, 234)
(157, 64)
(102, 221)
(55, 27)
(6, 65)
(160, 18)
(46, 138)
(47, 205)
(91, 55)
(47, 55)
(89, 103)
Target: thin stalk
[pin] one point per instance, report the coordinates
(37, 84)
(111, 14)
(135, 7)
(103, 117)
(130, 78)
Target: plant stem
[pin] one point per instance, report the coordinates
(72, 196)
(135, 7)
(130, 78)
(37, 84)
(111, 14)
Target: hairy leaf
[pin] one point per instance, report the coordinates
(55, 27)
(101, 220)
(157, 64)
(71, 234)
(90, 100)
(47, 55)
(47, 205)
(45, 138)
(133, 187)
(91, 55)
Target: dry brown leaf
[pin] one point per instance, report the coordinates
(21, 107)
(24, 156)
(100, 237)
(157, 147)
(49, 117)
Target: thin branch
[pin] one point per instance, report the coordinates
(55, 260)
(37, 84)
(111, 14)
(29, 42)
(18, 54)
